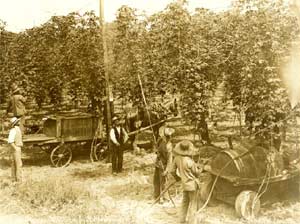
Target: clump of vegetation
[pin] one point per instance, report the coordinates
(51, 193)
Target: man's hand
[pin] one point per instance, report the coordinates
(207, 167)
(13, 147)
(165, 173)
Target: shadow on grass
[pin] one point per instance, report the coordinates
(27, 160)
(131, 190)
(38, 157)
(96, 171)
(5, 163)
(37, 160)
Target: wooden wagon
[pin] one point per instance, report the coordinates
(61, 132)
(246, 176)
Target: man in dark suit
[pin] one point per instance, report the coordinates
(118, 138)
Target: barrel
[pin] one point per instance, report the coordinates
(243, 161)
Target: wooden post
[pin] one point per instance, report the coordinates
(108, 111)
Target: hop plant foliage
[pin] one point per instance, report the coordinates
(172, 50)
(62, 56)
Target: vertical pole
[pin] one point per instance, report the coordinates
(108, 113)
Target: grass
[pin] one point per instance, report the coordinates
(65, 199)
(85, 193)
(45, 194)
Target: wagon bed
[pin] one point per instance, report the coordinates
(60, 132)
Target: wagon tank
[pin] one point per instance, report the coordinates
(249, 173)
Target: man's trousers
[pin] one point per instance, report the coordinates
(159, 182)
(16, 164)
(117, 158)
(189, 206)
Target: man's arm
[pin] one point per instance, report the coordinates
(196, 168)
(23, 99)
(13, 145)
(173, 171)
(113, 137)
(9, 104)
(169, 148)
(125, 135)
(11, 138)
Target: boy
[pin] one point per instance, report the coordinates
(16, 143)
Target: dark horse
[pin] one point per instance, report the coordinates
(157, 116)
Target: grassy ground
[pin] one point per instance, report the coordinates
(86, 192)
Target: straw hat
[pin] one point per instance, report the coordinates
(14, 121)
(15, 88)
(185, 148)
(115, 118)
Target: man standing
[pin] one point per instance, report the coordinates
(118, 137)
(15, 141)
(16, 105)
(163, 162)
(188, 172)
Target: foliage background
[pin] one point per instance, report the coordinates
(174, 51)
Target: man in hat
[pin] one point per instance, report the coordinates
(188, 172)
(16, 143)
(163, 162)
(16, 105)
(118, 138)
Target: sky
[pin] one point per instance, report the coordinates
(22, 14)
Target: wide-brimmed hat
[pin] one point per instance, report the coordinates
(185, 148)
(115, 118)
(168, 131)
(14, 121)
(15, 88)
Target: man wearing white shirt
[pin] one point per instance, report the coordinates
(16, 143)
(118, 137)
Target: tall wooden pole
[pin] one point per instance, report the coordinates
(108, 109)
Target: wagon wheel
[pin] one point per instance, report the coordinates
(61, 156)
(247, 204)
(98, 150)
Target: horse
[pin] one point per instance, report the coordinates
(155, 117)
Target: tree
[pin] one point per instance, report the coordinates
(259, 34)
(59, 59)
(127, 52)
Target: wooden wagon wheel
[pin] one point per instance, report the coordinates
(247, 204)
(61, 155)
(98, 151)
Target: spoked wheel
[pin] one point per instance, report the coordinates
(98, 150)
(247, 204)
(61, 155)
